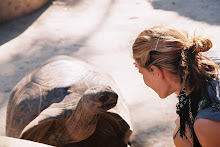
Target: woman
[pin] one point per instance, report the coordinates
(172, 62)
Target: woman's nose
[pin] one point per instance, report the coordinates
(135, 64)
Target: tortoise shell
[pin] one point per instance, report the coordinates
(67, 102)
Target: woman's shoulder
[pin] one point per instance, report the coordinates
(207, 131)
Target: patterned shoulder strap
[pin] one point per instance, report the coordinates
(215, 105)
(205, 103)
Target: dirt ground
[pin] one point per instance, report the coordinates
(102, 33)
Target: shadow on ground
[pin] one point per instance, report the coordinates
(197, 11)
(21, 64)
(15, 27)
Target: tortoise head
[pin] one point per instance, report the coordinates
(100, 98)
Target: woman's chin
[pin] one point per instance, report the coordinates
(163, 96)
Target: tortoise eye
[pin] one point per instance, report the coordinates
(104, 98)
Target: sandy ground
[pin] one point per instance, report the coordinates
(102, 33)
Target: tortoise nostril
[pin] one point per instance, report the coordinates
(104, 99)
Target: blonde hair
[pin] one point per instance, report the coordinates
(178, 53)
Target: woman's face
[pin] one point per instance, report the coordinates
(158, 80)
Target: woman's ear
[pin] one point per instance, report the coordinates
(157, 72)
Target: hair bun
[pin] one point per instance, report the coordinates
(201, 44)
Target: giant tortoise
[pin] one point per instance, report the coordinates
(67, 102)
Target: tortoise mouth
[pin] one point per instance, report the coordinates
(109, 105)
